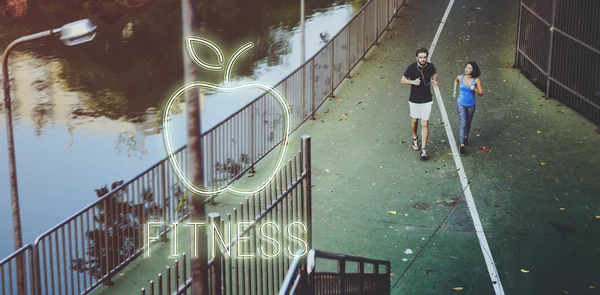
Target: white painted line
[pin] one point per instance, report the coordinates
(485, 248)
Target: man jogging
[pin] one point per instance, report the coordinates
(420, 75)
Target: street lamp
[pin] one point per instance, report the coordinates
(71, 34)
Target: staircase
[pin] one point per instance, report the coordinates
(368, 276)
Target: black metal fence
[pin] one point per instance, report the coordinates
(285, 205)
(558, 49)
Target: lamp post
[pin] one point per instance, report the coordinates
(302, 39)
(71, 34)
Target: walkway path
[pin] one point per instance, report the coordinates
(533, 190)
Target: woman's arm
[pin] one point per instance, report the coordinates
(479, 89)
(455, 84)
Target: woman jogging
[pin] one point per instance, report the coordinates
(465, 104)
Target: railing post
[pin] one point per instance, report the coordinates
(37, 281)
(361, 271)
(365, 35)
(312, 85)
(516, 65)
(168, 280)
(376, 41)
(151, 287)
(215, 271)
(163, 184)
(348, 69)
(303, 92)
(107, 254)
(331, 65)
(550, 49)
(342, 274)
(160, 285)
(311, 261)
(307, 186)
(251, 157)
(387, 15)
(387, 271)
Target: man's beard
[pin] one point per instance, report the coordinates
(423, 64)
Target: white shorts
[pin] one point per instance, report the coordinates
(420, 110)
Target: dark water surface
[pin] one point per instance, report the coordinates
(89, 115)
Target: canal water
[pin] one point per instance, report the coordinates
(89, 115)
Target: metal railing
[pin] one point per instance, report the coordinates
(304, 279)
(553, 36)
(8, 271)
(285, 205)
(91, 246)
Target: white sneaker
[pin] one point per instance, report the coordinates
(423, 154)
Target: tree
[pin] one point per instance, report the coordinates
(118, 230)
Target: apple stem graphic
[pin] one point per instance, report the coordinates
(233, 58)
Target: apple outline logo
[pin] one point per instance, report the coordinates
(191, 85)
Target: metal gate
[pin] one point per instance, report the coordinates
(558, 49)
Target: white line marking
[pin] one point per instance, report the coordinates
(485, 249)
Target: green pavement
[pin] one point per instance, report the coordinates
(535, 190)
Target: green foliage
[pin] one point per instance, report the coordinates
(117, 232)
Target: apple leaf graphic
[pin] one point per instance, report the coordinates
(191, 41)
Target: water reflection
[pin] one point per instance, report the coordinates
(89, 115)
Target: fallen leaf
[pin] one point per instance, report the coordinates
(460, 60)
(539, 131)
(561, 209)
(597, 216)
(543, 163)
(485, 149)
(524, 271)
(449, 154)
(592, 287)
(443, 140)
(327, 170)
(393, 212)
(360, 102)
(457, 288)
(408, 251)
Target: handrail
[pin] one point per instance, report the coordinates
(302, 277)
(314, 254)
(293, 276)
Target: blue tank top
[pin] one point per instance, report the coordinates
(466, 96)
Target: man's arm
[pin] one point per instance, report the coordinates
(407, 81)
(434, 80)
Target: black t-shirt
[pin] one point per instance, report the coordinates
(421, 93)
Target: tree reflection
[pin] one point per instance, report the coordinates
(135, 61)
